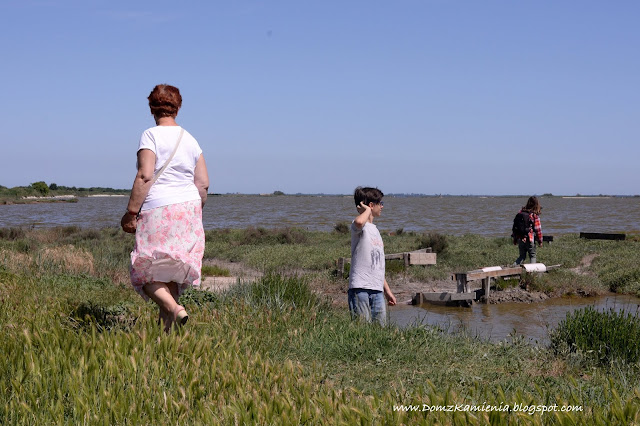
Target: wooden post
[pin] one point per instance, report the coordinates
(341, 266)
(405, 257)
(486, 286)
(463, 285)
(417, 300)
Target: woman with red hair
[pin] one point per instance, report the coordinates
(165, 209)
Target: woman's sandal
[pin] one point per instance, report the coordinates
(180, 315)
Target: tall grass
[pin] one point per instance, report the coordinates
(79, 346)
(602, 336)
(83, 350)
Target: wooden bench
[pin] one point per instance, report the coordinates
(602, 236)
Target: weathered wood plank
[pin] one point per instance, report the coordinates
(419, 258)
(443, 297)
(478, 275)
(394, 256)
(602, 236)
(549, 268)
(463, 296)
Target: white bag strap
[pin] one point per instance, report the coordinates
(157, 175)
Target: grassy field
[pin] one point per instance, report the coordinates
(80, 347)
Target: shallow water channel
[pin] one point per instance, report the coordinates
(503, 321)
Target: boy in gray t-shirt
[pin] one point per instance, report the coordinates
(367, 286)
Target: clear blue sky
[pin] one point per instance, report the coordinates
(452, 97)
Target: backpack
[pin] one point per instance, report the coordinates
(521, 225)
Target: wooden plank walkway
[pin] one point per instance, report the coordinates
(465, 297)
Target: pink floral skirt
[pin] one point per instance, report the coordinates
(169, 246)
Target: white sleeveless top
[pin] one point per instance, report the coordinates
(175, 184)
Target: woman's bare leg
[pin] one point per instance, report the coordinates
(174, 289)
(161, 295)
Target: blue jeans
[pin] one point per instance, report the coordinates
(525, 247)
(368, 305)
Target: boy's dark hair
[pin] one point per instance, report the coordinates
(367, 195)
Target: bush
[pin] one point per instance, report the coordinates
(341, 228)
(215, 271)
(256, 236)
(437, 242)
(104, 316)
(600, 336)
(41, 187)
(11, 234)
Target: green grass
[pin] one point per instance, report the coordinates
(615, 267)
(81, 350)
(81, 347)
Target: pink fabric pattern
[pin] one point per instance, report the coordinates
(169, 246)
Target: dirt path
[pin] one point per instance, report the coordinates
(585, 263)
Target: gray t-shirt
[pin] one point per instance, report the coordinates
(367, 258)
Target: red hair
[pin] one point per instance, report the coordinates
(165, 101)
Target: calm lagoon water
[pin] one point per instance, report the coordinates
(498, 322)
(489, 216)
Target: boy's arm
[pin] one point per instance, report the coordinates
(363, 217)
(387, 293)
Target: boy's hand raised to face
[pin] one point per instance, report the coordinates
(363, 207)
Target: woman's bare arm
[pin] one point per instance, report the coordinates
(140, 189)
(201, 179)
(142, 182)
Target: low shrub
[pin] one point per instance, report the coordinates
(104, 317)
(437, 242)
(12, 233)
(341, 228)
(258, 236)
(215, 271)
